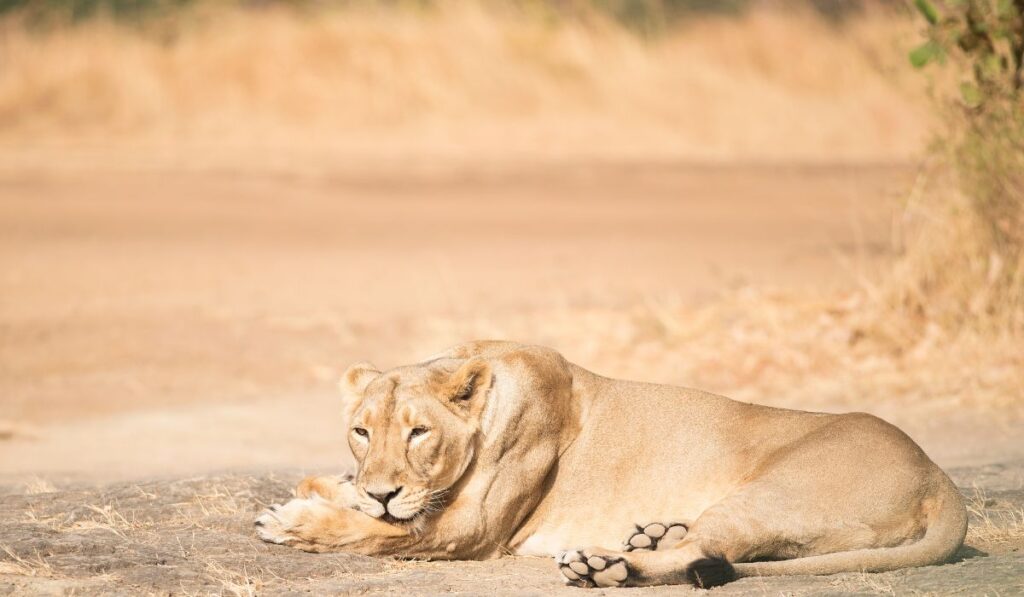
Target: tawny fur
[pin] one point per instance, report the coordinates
(496, 447)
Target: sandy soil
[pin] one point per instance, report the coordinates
(192, 312)
(170, 340)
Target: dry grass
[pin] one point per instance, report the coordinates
(956, 277)
(17, 565)
(244, 583)
(106, 518)
(994, 523)
(461, 78)
(784, 348)
(864, 584)
(216, 501)
(37, 485)
(220, 502)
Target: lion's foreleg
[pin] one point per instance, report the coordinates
(337, 489)
(316, 524)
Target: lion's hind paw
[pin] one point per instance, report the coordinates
(592, 568)
(648, 537)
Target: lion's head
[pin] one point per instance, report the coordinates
(412, 431)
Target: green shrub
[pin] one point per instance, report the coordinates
(969, 261)
(646, 17)
(79, 10)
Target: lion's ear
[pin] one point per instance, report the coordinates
(354, 381)
(467, 388)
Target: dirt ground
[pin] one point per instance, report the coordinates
(143, 308)
(170, 341)
(194, 536)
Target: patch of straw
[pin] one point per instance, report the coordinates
(992, 523)
(35, 566)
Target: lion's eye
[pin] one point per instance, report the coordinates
(360, 432)
(417, 431)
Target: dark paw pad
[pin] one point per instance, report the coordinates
(647, 537)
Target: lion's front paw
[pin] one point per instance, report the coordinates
(648, 537)
(293, 523)
(592, 568)
(274, 524)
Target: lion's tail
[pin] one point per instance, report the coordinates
(947, 526)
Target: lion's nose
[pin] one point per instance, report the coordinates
(385, 497)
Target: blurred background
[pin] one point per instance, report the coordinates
(209, 208)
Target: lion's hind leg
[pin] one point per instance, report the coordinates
(686, 564)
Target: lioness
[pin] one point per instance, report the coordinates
(497, 447)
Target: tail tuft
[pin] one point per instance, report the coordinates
(710, 572)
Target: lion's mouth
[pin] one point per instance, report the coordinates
(392, 519)
(405, 509)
